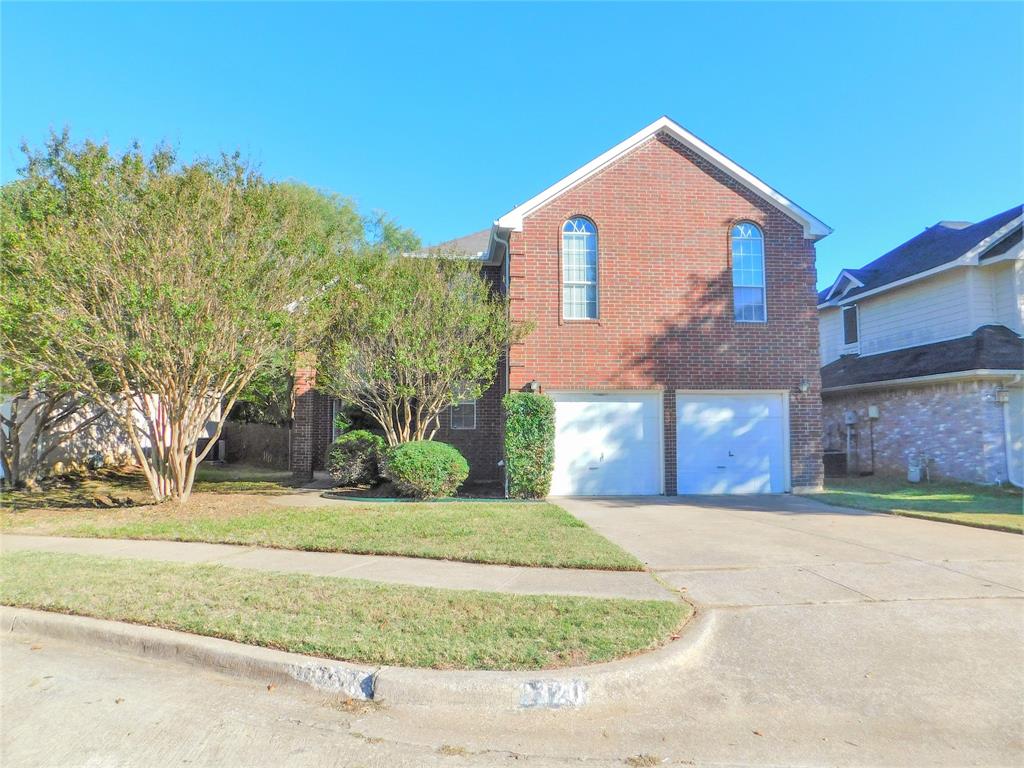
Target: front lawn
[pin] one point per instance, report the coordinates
(537, 534)
(978, 505)
(340, 618)
(126, 486)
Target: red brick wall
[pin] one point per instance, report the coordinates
(304, 419)
(664, 216)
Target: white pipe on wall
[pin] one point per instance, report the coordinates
(1019, 482)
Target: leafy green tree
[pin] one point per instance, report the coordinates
(409, 336)
(159, 289)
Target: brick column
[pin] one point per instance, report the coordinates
(303, 418)
(669, 416)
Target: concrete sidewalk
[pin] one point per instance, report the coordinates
(633, 585)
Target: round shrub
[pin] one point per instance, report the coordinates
(426, 469)
(355, 458)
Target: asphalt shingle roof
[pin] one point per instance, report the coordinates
(937, 245)
(991, 347)
(472, 244)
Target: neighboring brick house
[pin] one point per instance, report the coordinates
(672, 298)
(923, 355)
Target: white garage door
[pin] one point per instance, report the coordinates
(607, 444)
(731, 443)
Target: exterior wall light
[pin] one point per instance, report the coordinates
(805, 386)
(533, 386)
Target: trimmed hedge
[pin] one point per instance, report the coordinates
(529, 444)
(355, 457)
(426, 469)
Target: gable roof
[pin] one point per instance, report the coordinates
(814, 228)
(472, 246)
(939, 245)
(989, 348)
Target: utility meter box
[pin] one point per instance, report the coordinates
(850, 417)
(872, 411)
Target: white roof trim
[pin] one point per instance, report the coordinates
(973, 255)
(814, 229)
(975, 373)
(844, 274)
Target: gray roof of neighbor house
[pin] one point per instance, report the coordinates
(991, 347)
(473, 244)
(937, 245)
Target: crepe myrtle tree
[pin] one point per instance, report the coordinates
(410, 335)
(37, 414)
(159, 289)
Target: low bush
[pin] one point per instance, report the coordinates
(529, 444)
(426, 469)
(355, 457)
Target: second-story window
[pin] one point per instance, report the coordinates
(748, 273)
(579, 269)
(850, 325)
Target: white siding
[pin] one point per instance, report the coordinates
(949, 305)
(830, 329)
(931, 310)
(1006, 281)
(981, 295)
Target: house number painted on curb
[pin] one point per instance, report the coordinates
(553, 694)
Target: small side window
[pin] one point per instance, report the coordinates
(850, 322)
(463, 414)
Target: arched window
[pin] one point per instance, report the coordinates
(748, 273)
(579, 269)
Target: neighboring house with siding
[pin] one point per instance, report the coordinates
(672, 302)
(923, 357)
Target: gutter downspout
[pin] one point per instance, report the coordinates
(1006, 433)
(508, 373)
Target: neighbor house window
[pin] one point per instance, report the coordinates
(850, 334)
(579, 269)
(748, 273)
(463, 414)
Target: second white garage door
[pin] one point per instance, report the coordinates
(731, 443)
(607, 444)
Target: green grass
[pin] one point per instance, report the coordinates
(978, 505)
(241, 478)
(537, 534)
(338, 618)
(128, 485)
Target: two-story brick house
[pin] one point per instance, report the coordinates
(672, 298)
(923, 356)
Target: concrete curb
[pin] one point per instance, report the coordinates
(572, 687)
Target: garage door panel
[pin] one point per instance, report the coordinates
(731, 443)
(607, 444)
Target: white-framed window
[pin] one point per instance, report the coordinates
(851, 325)
(579, 269)
(463, 414)
(748, 297)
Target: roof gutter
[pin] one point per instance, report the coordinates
(935, 378)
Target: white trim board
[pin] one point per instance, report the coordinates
(814, 228)
(935, 378)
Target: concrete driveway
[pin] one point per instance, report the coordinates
(788, 550)
(840, 638)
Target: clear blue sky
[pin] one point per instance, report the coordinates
(879, 118)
